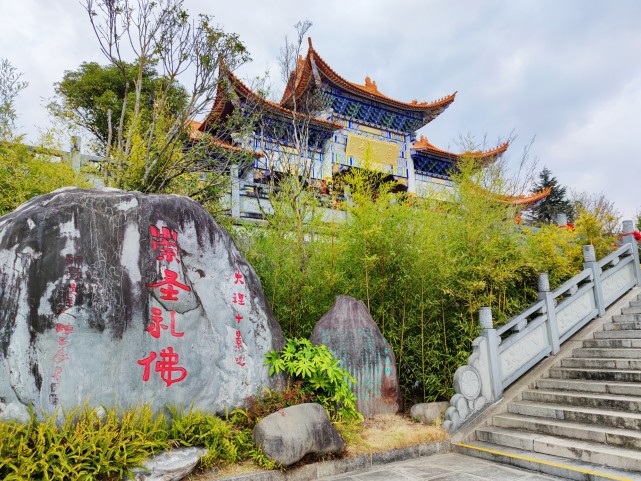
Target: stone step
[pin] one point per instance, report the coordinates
(613, 343)
(631, 310)
(545, 463)
(626, 318)
(626, 438)
(580, 385)
(612, 353)
(595, 374)
(623, 334)
(622, 326)
(590, 452)
(635, 303)
(613, 402)
(577, 414)
(600, 363)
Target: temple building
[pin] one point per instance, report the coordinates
(331, 125)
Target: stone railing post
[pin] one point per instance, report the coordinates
(75, 153)
(561, 220)
(589, 262)
(235, 191)
(628, 228)
(488, 331)
(550, 309)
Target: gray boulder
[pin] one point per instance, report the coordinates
(172, 465)
(353, 337)
(291, 433)
(428, 413)
(109, 296)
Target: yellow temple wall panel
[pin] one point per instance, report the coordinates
(376, 151)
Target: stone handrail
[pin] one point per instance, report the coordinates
(500, 356)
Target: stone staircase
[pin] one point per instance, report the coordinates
(580, 420)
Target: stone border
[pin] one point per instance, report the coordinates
(310, 472)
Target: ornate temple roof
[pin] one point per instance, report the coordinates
(196, 134)
(485, 156)
(520, 200)
(225, 103)
(526, 200)
(312, 65)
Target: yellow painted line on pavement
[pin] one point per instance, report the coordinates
(549, 463)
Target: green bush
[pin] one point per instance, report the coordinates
(320, 373)
(24, 175)
(424, 266)
(81, 444)
(85, 446)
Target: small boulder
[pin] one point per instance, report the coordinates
(169, 466)
(428, 413)
(289, 434)
(353, 337)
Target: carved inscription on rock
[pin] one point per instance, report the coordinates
(109, 296)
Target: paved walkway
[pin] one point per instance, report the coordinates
(443, 467)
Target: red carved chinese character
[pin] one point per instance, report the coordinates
(164, 240)
(156, 326)
(147, 363)
(239, 299)
(167, 367)
(62, 342)
(239, 341)
(239, 277)
(240, 361)
(60, 356)
(70, 259)
(64, 328)
(169, 280)
(238, 318)
(57, 373)
(74, 273)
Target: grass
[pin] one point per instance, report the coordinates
(382, 432)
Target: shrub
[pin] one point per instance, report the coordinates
(269, 401)
(85, 446)
(81, 444)
(196, 428)
(320, 373)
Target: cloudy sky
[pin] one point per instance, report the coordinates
(565, 72)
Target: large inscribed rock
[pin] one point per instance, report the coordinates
(351, 334)
(109, 296)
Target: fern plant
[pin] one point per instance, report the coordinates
(320, 373)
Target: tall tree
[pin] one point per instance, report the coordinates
(92, 97)
(555, 203)
(152, 144)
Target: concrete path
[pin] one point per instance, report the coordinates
(443, 467)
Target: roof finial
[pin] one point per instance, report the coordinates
(309, 41)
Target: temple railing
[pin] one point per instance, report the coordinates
(502, 355)
(248, 200)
